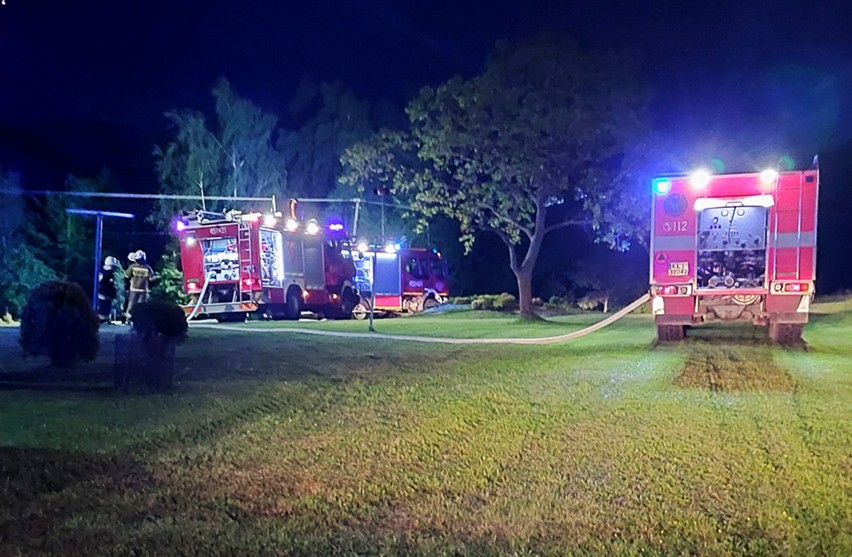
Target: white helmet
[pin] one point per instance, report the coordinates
(132, 256)
(110, 262)
(140, 255)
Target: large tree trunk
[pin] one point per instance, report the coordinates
(527, 309)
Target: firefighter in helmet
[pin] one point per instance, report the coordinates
(107, 289)
(139, 276)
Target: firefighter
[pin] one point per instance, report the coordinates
(139, 276)
(107, 290)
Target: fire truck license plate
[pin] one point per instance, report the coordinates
(678, 268)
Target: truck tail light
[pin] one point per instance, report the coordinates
(673, 290)
(192, 286)
(796, 287)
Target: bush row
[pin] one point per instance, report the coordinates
(59, 322)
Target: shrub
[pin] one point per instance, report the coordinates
(59, 322)
(505, 302)
(159, 317)
(494, 302)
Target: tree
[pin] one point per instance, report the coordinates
(546, 137)
(606, 276)
(20, 268)
(235, 156)
(312, 153)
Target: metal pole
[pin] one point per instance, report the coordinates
(372, 289)
(99, 232)
(383, 220)
(357, 211)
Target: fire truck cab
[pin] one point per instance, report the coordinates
(235, 264)
(406, 280)
(734, 247)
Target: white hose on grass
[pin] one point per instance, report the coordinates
(440, 340)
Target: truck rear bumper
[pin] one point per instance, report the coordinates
(220, 308)
(757, 308)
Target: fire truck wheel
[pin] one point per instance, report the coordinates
(276, 312)
(348, 300)
(430, 303)
(360, 311)
(293, 307)
(670, 333)
(786, 333)
(233, 317)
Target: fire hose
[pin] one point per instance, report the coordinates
(442, 340)
(194, 312)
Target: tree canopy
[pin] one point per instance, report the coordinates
(548, 136)
(233, 156)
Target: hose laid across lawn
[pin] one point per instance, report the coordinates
(198, 304)
(543, 340)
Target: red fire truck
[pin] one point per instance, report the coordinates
(734, 247)
(405, 280)
(235, 264)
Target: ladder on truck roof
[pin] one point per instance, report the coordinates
(244, 249)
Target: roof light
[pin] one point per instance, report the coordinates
(661, 186)
(180, 226)
(291, 224)
(363, 246)
(700, 178)
(312, 227)
(335, 227)
(269, 221)
(769, 176)
(391, 248)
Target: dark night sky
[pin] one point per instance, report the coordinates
(84, 84)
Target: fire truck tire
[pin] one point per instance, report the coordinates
(786, 333)
(348, 301)
(670, 333)
(293, 307)
(232, 317)
(430, 303)
(360, 311)
(276, 312)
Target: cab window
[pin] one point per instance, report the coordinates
(413, 268)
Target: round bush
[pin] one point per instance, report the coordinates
(59, 322)
(160, 317)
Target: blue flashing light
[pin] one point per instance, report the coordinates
(662, 186)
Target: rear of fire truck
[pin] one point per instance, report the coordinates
(237, 264)
(399, 279)
(734, 247)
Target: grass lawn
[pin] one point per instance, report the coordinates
(279, 444)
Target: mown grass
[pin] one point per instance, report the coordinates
(294, 445)
(457, 324)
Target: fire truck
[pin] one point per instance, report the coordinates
(236, 264)
(403, 280)
(734, 247)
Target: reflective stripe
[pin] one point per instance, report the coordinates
(795, 239)
(672, 243)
